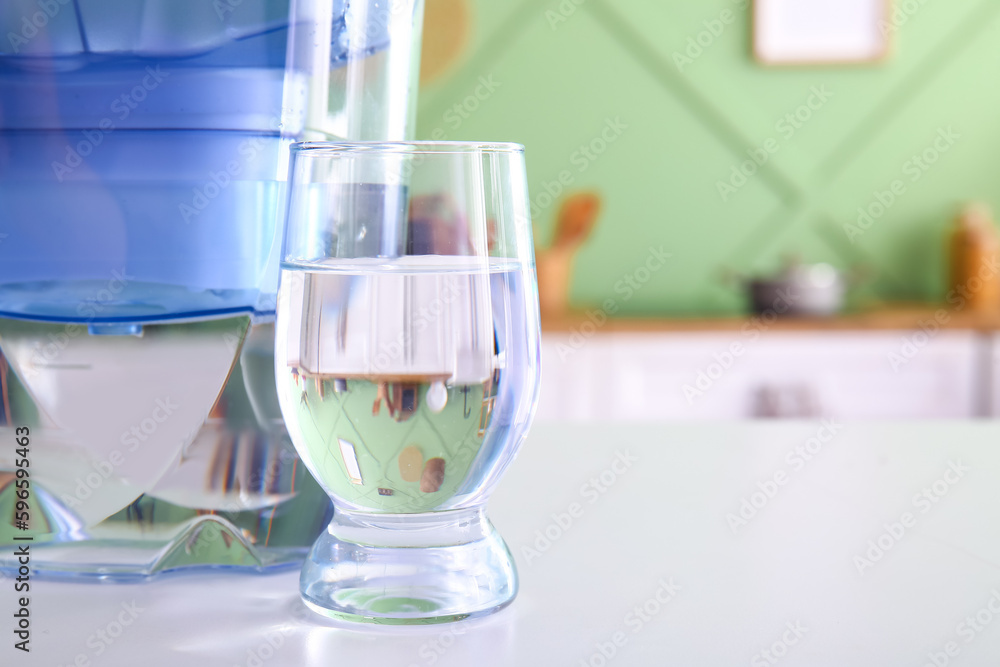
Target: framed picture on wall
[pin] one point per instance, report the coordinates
(817, 32)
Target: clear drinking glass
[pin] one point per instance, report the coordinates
(407, 365)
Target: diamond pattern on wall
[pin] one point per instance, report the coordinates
(691, 125)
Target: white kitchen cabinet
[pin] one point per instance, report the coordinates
(855, 374)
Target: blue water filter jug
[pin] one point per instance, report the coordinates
(143, 152)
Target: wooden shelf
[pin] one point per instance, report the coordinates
(886, 318)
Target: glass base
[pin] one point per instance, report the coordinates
(413, 569)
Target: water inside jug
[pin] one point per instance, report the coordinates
(143, 152)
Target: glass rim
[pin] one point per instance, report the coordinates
(352, 148)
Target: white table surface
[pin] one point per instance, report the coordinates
(663, 519)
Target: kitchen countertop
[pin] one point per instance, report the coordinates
(885, 318)
(823, 545)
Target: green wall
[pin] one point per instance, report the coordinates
(559, 83)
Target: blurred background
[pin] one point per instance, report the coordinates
(745, 209)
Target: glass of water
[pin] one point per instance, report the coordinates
(407, 365)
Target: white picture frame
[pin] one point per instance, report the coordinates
(818, 32)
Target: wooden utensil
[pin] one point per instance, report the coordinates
(574, 223)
